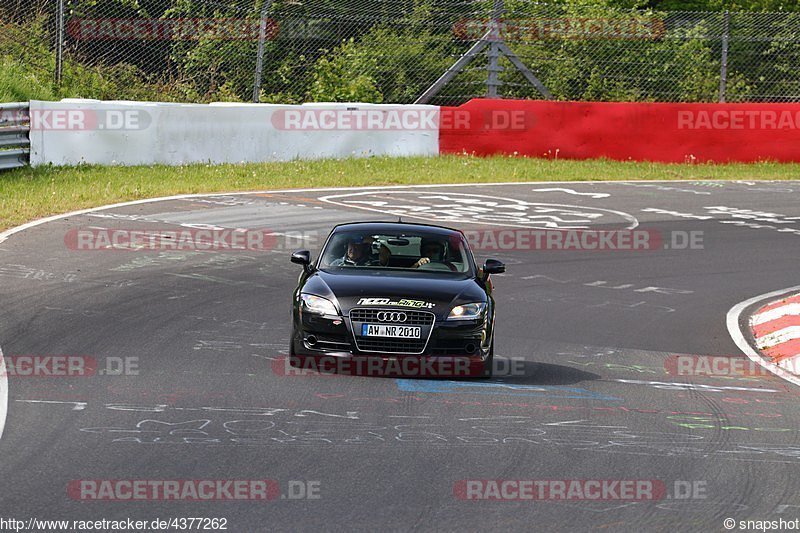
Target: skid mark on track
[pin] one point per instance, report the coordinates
(465, 387)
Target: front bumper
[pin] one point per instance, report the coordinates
(338, 336)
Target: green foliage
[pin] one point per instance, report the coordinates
(384, 65)
(19, 84)
(27, 67)
(683, 66)
(340, 50)
(346, 76)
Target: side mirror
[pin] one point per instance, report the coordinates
(493, 266)
(302, 257)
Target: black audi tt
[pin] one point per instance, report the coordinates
(395, 291)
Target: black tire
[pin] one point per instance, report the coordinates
(488, 364)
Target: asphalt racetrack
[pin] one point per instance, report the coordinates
(203, 335)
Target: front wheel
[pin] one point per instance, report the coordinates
(488, 363)
(291, 343)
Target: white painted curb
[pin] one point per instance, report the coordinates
(734, 329)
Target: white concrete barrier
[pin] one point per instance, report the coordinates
(73, 132)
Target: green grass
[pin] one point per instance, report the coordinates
(27, 194)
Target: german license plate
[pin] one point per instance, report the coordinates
(398, 332)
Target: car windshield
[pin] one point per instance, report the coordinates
(409, 250)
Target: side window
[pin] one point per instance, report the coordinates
(335, 249)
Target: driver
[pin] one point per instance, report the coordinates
(358, 253)
(430, 250)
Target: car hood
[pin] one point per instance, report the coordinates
(443, 290)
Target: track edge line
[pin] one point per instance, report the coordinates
(3, 393)
(733, 319)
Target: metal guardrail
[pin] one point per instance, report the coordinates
(15, 127)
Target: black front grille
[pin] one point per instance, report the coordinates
(414, 318)
(382, 345)
(390, 346)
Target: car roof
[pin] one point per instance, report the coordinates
(390, 227)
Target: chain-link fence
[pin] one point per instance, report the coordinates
(397, 51)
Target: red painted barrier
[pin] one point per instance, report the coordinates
(668, 132)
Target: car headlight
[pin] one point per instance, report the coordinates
(467, 311)
(318, 305)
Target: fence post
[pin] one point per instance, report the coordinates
(493, 68)
(262, 36)
(723, 74)
(59, 42)
(493, 38)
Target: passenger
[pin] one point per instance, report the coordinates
(384, 255)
